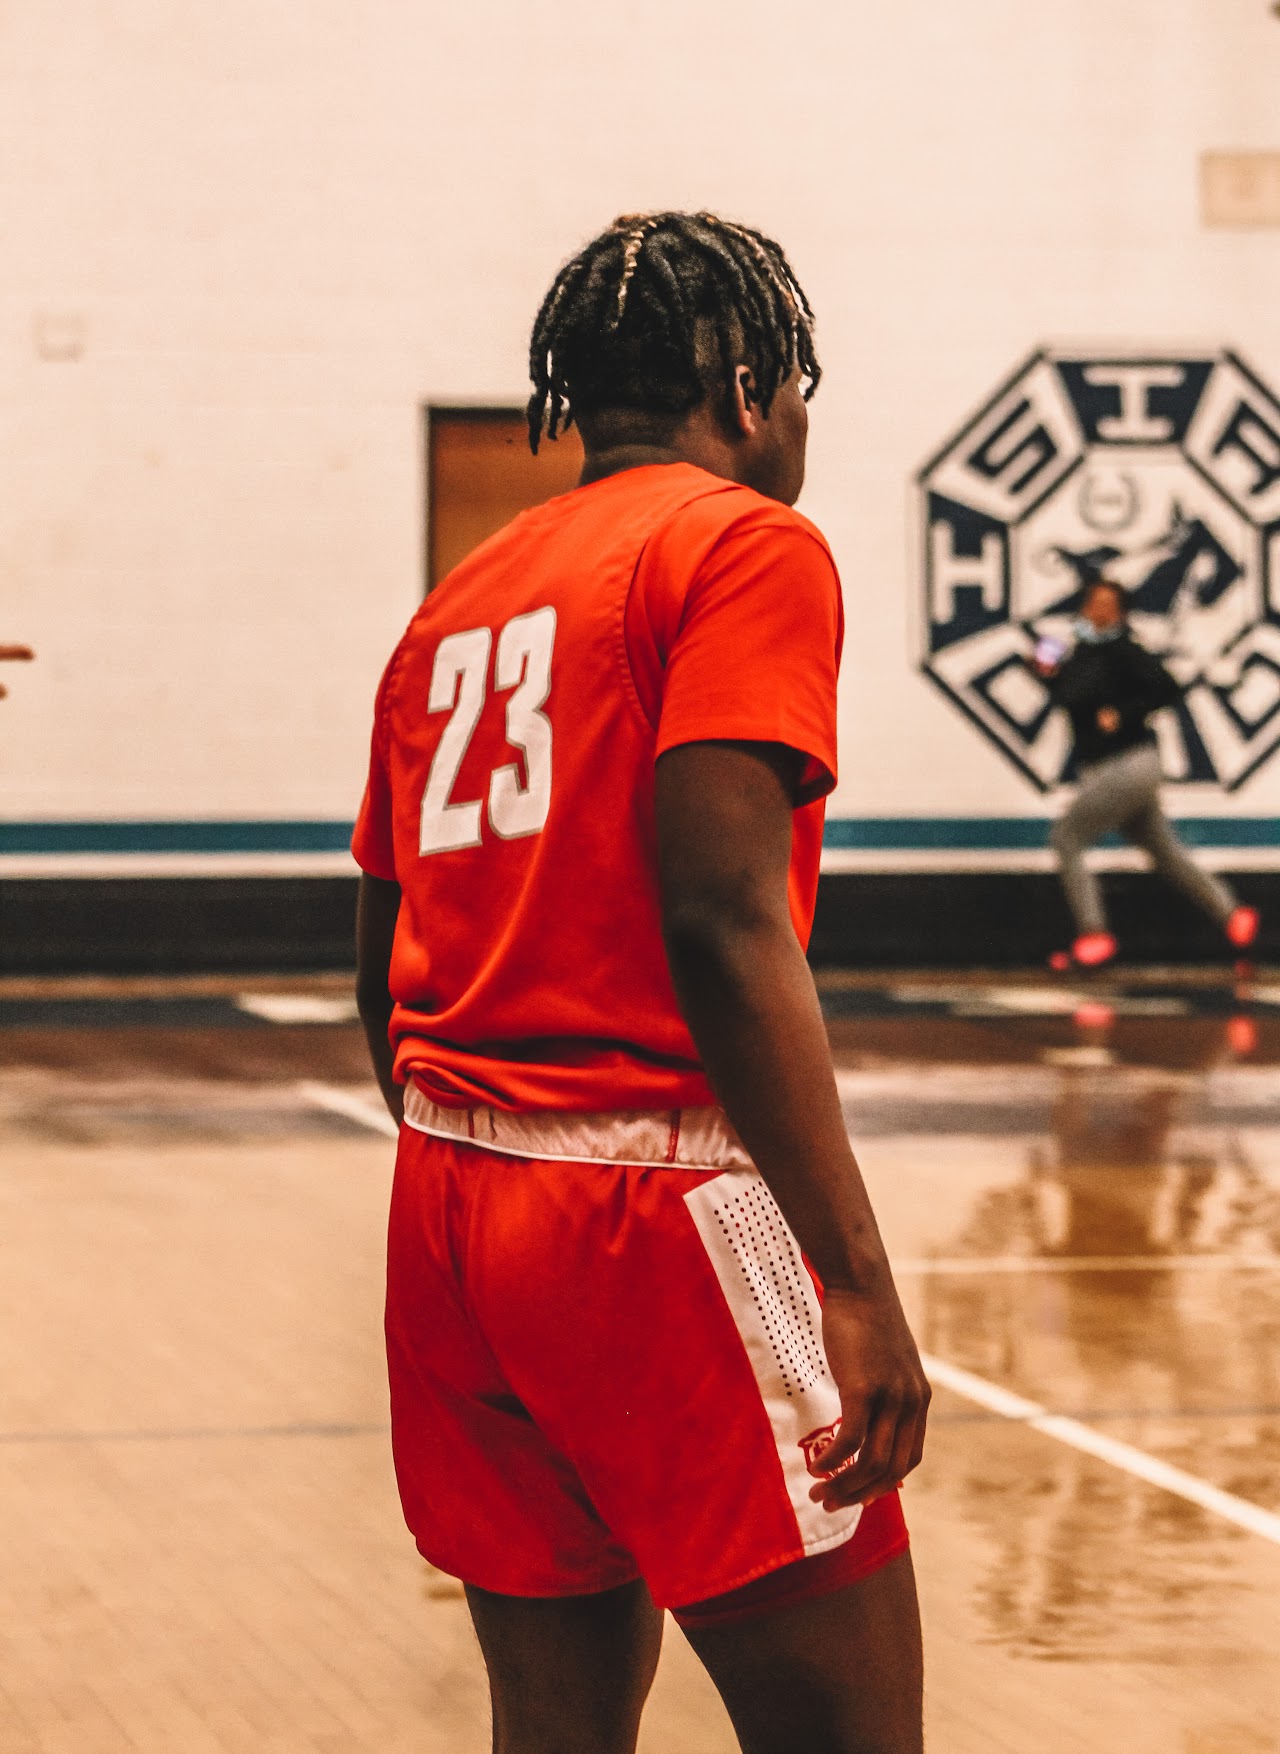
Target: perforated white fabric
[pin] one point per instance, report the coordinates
(775, 1306)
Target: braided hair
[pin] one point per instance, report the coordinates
(657, 313)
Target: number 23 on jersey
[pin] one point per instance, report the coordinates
(459, 685)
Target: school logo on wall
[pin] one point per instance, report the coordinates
(1162, 473)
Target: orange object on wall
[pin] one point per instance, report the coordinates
(481, 472)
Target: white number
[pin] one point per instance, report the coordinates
(458, 678)
(457, 682)
(523, 662)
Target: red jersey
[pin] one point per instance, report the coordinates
(511, 791)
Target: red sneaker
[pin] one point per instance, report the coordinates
(1242, 927)
(1092, 949)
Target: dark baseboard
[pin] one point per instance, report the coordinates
(982, 919)
(1015, 919)
(176, 925)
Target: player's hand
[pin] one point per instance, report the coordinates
(884, 1398)
(14, 654)
(1108, 719)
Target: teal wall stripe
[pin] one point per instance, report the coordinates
(844, 833)
(1016, 833)
(940, 833)
(175, 837)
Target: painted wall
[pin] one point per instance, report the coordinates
(243, 245)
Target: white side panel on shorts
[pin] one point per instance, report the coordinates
(775, 1306)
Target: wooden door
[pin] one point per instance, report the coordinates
(481, 472)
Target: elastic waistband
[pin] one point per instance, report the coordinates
(686, 1138)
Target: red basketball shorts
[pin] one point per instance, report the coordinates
(606, 1362)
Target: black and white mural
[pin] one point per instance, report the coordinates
(1164, 474)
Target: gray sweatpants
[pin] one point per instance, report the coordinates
(1123, 792)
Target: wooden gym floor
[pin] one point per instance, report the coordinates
(202, 1548)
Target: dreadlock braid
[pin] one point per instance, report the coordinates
(632, 245)
(657, 313)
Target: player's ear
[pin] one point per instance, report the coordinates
(744, 408)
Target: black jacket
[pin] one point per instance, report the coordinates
(1118, 673)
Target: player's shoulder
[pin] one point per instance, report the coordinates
(717, 509)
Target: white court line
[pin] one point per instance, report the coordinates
(1105, 1449)
(924, 1265)
(360, 1109)
(288, 1008)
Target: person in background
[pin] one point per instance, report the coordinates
(1110, 686)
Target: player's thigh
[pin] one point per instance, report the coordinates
(1100, 804)
(571, 1673)
(842, 1672)
(1148, 828)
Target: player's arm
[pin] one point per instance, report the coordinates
(1149, 686)
(724, 847)
(1145, 686)
(1063, 680)
(377, 908)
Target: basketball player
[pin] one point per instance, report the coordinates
(590, 841)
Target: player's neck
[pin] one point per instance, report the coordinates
(700, 439)
(614, 459)
(704, 450)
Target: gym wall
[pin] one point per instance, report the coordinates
(247, 246)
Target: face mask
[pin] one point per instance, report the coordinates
(1090, 635)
